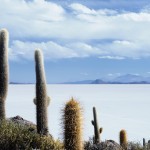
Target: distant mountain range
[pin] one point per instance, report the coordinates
(80, 82)
(123, 79)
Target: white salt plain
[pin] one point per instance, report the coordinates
(118, 107)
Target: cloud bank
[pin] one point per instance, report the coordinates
(74, 31)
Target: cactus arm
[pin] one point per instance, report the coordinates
(34, 100)
(100, 130)
(3, 71)
(48, 100)
(92, 122)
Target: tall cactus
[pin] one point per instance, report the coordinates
(41, 95)
(3, 70)
(97, 130)
(123, 138)
(72, 119)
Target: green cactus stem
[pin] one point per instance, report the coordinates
(97, 130)
(4, 35)
(72, 119)
(41, 95)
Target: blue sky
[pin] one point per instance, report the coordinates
(80, 39)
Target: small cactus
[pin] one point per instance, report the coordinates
(97, 130)
(144, 142)
(72, 119)
(41, 99)
(123, 138)
(4, 35)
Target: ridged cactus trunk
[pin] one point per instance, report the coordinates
(41, 95)
(97, 130)
(3, 71)
(72, 119)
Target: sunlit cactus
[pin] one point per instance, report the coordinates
(97, 130)
(4, 35)
(123, 138)
(72, 122)
(41, 99)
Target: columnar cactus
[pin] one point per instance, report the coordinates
(41, 99)
(144, 142)
(3, 71)
(97, 130)
(123, 138)
(72, 119)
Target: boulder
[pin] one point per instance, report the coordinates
(106, 145)
(19, 120)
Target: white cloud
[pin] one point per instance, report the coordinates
(137, 17)
(117, 50)
(110, 74)
(84, 73)
(85, 49)
(114, 74)
(51, 50)
(81, 9)
(32, 10)
(126, 43)
(38, 20)
(111, 57)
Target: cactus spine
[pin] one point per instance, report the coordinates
(97, 130)
(3, 71)
(123, 138)
(72, 118)
(41, 95)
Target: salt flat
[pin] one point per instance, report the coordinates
(118, 107)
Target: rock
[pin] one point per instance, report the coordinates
(106, 145)
(109, 145)
(19, 120)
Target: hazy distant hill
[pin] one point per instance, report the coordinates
(98, 81)
(80, 82)
(128, 78)
(124, 79)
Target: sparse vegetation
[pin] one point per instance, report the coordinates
(17, 137)
(111, 145)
